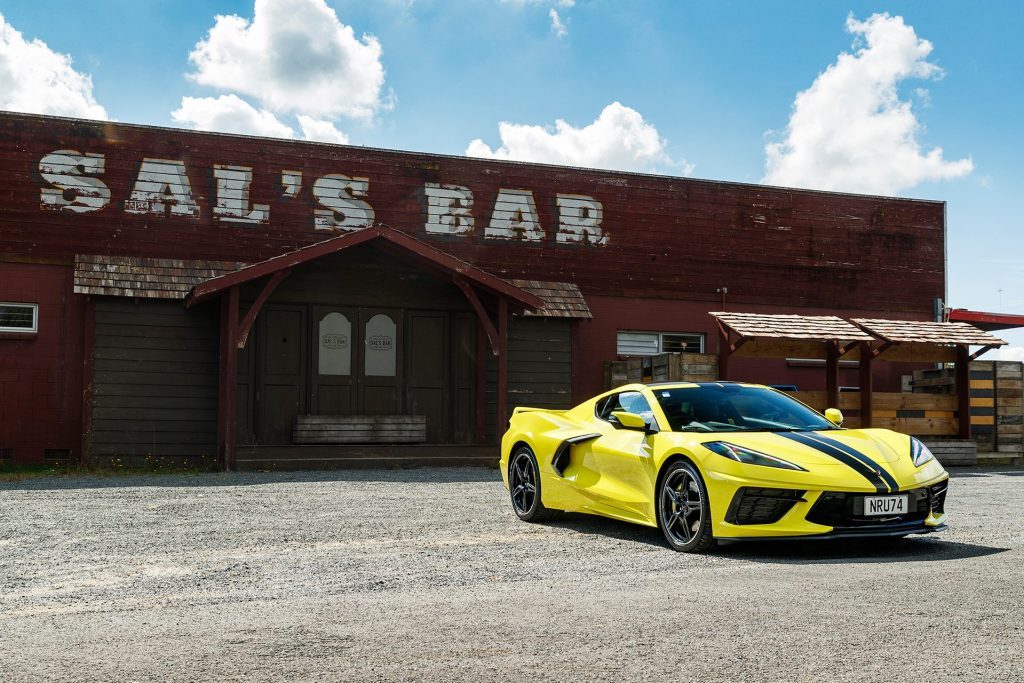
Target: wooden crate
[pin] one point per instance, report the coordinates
(359, 429)
(663, 367)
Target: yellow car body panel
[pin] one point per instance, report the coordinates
(613, 472)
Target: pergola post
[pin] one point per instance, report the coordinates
(724, 350)
(227, 387)
(831, 375)
(866, 386)
(963, 390)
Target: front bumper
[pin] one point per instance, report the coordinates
(767, 513)
(880, 531)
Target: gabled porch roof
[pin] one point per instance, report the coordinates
(390, 239)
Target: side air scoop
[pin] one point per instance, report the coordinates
(561, 458)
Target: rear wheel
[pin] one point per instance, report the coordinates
(684, 513)
(524, 487)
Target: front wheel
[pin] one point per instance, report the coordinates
(524, 487)
(684, 513)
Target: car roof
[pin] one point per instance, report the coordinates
(684, 384)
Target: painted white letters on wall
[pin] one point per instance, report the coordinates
(344, 211)
(579, 220)
(233, 183)
(515, 217)
(162, 186)
(68, 171)
(291, 181)
(449, 209)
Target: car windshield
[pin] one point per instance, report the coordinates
(734, 407)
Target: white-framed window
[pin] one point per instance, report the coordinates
(631, 343)
(16, 317)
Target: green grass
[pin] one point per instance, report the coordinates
(12, 472)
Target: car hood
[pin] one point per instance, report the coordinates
(826, 448)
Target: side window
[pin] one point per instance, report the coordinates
(629, 401)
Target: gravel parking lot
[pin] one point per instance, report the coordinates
(427, 575)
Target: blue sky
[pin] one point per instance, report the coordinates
(702, 88)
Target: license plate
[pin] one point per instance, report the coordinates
(886, 505)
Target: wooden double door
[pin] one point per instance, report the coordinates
(339, 360)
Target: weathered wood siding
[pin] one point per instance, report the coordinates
(154, 381)
(656, 237)
(539, 368)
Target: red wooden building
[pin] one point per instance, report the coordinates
(174, 294)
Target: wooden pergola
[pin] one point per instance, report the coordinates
(830, 338)
(759, 335)
(912, 341)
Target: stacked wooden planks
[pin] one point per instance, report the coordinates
(953, 452)
(997, 406)
(360, 429)
(910, 413)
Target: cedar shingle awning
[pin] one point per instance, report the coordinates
(561, 299)
(144, 278)
(912, 331)
(820, 328)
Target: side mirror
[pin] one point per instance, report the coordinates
(835, 416)
(624, 420)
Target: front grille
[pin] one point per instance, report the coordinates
(846, 510)
(937, 495)
(761, 506)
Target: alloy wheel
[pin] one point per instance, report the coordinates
(682, 508)
(522, 483)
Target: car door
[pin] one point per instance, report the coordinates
(621, 458)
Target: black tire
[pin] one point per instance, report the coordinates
(684, 512)
(524, 487)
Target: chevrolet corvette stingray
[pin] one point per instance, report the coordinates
(720, 460)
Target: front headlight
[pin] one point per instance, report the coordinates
(749, 456)
(919, 453)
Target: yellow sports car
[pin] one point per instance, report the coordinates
(721, 460)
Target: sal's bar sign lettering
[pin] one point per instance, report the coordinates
(162, 188)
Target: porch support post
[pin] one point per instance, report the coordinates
(866, 388)
(963, 390)
(502, 366)
(227, 411)
(481, 383)
(831, 375)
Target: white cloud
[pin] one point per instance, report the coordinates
(294, 56)
(35, 79)
(619, 139)
(229, 114)
(321, 131)
(850, 130)
(557, 26)
(1011, 353)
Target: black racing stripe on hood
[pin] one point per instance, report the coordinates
(889, 480)
(853, 463)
